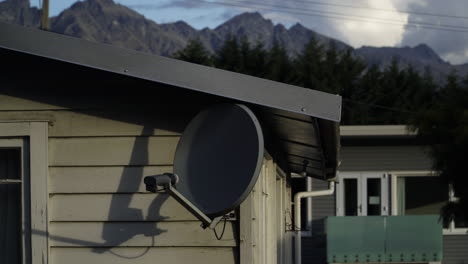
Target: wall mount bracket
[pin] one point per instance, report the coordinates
(168, 181)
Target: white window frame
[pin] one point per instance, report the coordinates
(452, 230)
(362, 192)
(36, 133)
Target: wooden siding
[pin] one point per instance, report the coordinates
(455, 249)
(104, 179)
(77, 207)
(99, 210)
(264, 238)
(112, 151)
(322, 207)
(384, 158)
(132, 255)
(137, 234)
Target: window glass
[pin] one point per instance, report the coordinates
(424, 195)
(374, 196)
(350, 197)
(460, 222)
(10, 164)
(10, 206)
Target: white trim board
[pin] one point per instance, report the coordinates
(36, 132)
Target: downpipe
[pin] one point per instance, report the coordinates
(297, 216)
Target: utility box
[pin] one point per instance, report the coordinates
(378, 239)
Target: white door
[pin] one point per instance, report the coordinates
(362, 193)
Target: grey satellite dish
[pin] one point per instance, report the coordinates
(217, 162)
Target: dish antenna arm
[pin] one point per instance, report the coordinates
(167, 181)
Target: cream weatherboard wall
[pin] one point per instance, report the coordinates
(100, 212)
(265, 219)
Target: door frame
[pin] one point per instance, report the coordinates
(361, 178)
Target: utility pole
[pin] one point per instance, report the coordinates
(45, 15)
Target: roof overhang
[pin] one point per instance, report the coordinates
(172, 72)
(303, 122)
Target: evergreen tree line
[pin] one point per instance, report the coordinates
(370, 96)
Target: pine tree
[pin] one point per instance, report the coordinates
(228, 56)
(257, 63)
(445, 125)
(278, 65)
(194, 52)
(308, 66)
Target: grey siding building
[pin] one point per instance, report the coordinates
(390, 163)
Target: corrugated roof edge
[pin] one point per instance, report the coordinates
(170, 71)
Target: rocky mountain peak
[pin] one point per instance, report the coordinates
(19, 12)
(297, 28)
(249, 18)
(17, 3)
(253, 21)
(426, 52)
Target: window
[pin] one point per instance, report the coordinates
(23, 210)
(362, 193)
(11, 207)
(417, 193)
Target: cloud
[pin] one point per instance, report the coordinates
(373, 26)
(452, 46)
(355, 26)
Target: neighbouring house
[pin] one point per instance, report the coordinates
(385, 174)
(82, 123)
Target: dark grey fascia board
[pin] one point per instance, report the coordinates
(171, 72)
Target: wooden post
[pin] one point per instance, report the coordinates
(45, 15)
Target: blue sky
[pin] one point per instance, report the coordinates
(200, 17)
(375, 23)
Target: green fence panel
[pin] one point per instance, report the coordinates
(365, 239)
(415, 238)
(355, 239)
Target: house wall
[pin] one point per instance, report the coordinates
(265, 235)
(384, 158)
(373, 158)
(455, 249)
(98, 209)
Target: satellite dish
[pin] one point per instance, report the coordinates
(219, 157)
(217, 161)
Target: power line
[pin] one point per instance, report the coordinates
(334, 15)
(354, 16)
(401, 11)
(448, 28)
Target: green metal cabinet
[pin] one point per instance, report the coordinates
(364, 239)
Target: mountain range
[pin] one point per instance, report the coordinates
(107, 22)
